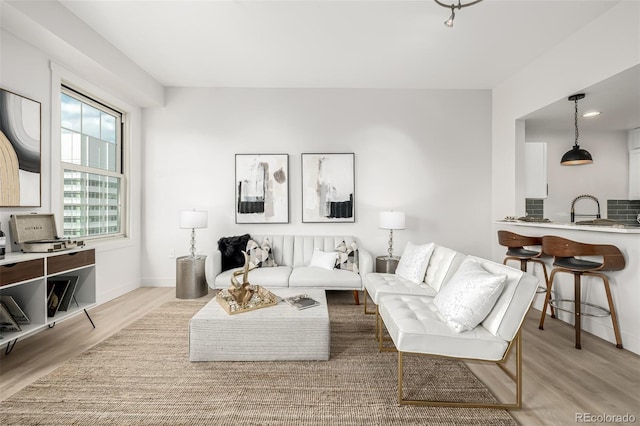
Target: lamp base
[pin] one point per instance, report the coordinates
(390, 250)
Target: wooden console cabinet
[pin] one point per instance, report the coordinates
(24, 276)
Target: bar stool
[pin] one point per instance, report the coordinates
(515, 244)
(564, 252)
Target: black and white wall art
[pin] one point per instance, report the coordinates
(328, 187)
(262, 188)
(20, 176)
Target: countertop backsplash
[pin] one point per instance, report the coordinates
(625, 211)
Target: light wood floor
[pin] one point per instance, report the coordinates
(560, 382)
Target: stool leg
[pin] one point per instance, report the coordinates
(547, 296)
(577, 314)
(546, 282)
(546, 279)
(612, 309)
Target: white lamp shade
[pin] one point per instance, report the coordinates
(192, 219)
(391, 220)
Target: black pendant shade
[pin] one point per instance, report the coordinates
(576, 156)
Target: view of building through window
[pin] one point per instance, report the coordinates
(91, 156)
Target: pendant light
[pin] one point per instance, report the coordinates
(576, 156)
(449, 22)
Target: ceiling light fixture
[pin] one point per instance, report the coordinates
(591, 114)
(453, 7)
(576, 156)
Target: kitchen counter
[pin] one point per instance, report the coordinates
(559, 225)
(625, 284)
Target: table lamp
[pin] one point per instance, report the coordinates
(195, 220)
(391, 220)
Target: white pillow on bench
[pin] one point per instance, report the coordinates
(469, 296)
(414, 261)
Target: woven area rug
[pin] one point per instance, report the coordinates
(142, 375)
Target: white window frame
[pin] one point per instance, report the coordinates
(62, 77)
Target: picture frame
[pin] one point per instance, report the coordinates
(328, 187)
(262, 188)
(20, 151)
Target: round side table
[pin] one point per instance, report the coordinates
(190, 279)
(386, 264)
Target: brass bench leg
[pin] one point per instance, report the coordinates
(380, 334)
(515, 377)
(367, 312)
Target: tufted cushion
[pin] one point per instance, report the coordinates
(415, 325)
(231, 249)
(379, 284)
(470, 295)
(347, 257)
(260, 255)
(414, 261)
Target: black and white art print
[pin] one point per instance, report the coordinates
(262, 188)
(328, 188)
(20, 175)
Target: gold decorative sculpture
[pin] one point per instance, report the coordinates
(242, 296)
(241, 291)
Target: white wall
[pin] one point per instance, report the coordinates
(26, 70)
(606, 178)
(423, 152)
(608, 45)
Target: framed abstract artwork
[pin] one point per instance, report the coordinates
(262, 188)
(20, 148)
(328, 188)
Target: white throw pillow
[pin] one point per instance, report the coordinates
(414, 261)
(469, 296)
(323, 259)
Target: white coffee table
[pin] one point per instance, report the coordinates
(275, 333)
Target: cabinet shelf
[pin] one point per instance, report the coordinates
(24, 278)
(26, 329)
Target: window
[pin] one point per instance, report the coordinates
(91, 161)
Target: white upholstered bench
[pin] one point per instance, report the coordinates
(416, 326)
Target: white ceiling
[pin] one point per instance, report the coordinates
(357, 44)
(617, 98)
(337, 44)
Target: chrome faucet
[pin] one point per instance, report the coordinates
(573, 203)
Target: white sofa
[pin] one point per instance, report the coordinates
(292, 254)
(411, 314)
